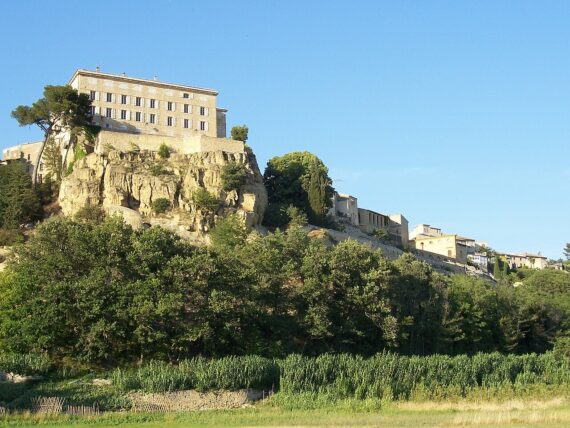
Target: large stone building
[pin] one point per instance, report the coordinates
(26, 152)
(124, 103)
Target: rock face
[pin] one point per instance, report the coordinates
(127, 183)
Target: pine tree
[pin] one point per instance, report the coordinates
(567, 251)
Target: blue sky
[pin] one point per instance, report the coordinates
(455, 113)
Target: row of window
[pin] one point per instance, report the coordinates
(151, 102)
(152, 118)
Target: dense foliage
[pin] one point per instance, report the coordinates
(299, 179)
(19, 202)
(102, 294)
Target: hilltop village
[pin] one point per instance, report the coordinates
(122, 171)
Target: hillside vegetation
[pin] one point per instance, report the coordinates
(99, 294)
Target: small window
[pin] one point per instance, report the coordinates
(123, 99)
(92, 95)
(202, 111)
(186, 123)
(185, 95)
(169, 121)
(152, 103)
(152, 118)
(202, 125)
(123, 114)
(186, 108)
(169, 106)
(138, 101)
(138, 116)
(109, 97)
(109, 112)
(92, 110)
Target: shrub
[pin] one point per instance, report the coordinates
(90, 214)
(164, 151)
(234, 175)
(160, 205)
(10, 237)
(205, 200)
(157, 169)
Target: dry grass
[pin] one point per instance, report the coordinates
(491, 406)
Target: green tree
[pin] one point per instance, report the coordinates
(19, 201)
(300, 179)
(229, 233)
(567, 251)
(60, 106)
(234, 175)
(240, 133)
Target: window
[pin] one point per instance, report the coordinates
(138, 101)
(152, 118)
(109, 97)
(138, 116)
(123, 114)
(152, 103)
(92, 110)
(186, 108)
(123, 99)
(169, 106)
(186, 123)
(185, 95)
(203, 125)
(202, 111)
(169, 121)
(92, 95)
(109, 112)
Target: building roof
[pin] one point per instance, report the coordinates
(523, 255)
(137, 80)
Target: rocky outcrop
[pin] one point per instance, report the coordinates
(128, 183)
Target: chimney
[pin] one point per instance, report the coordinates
(97, 69)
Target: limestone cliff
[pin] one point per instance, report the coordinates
(129, 182)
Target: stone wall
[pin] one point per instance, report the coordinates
(129, 142)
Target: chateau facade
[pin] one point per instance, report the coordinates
(129, 104)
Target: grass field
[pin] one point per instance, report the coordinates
(514, 413)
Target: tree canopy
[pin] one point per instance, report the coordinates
(299, 179)
(60, 106)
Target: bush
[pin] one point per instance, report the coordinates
(234, 175)
(10, 237)
(157, 170)
(90, 214)
(205, 200)
(160, 205)
(164, 151)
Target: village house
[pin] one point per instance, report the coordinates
(452, 246)
(525, 260)
(396, 225)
